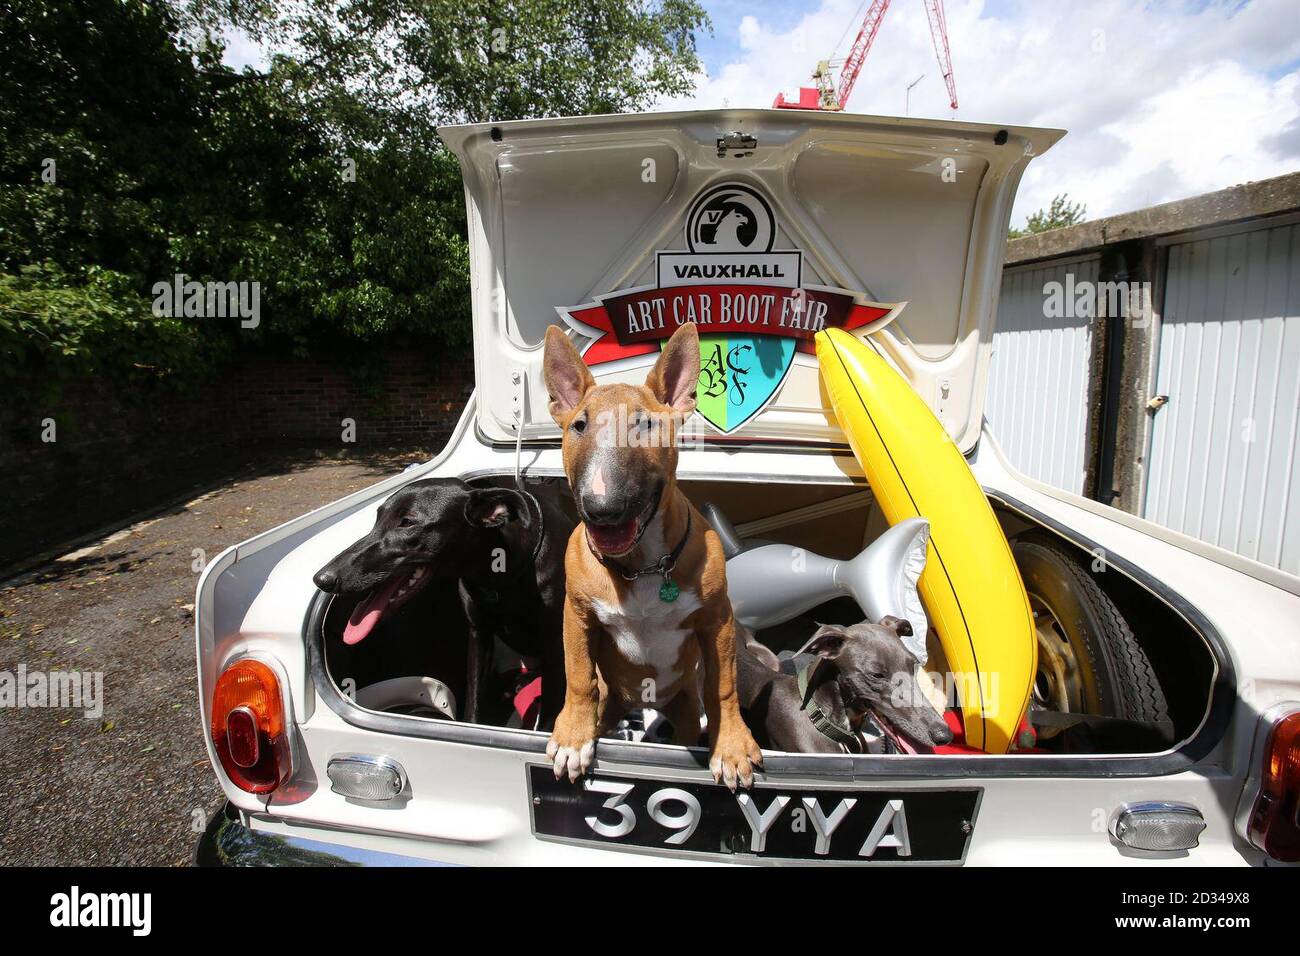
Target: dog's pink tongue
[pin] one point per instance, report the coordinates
(613, 538)
(900, 741)
(367, 613)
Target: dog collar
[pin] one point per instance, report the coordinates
(824, 725)
(668, 591)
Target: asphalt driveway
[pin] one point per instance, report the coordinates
(132, 786)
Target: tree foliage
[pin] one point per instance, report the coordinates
(477, 60)
(320, 177)
(97, 323)
(1059, 214)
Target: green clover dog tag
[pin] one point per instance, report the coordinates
(669, 590)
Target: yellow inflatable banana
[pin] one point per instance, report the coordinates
(970, 585)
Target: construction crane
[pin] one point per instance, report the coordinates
(828, 95)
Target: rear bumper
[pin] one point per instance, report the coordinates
(226, 841)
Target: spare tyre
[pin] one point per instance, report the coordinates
(1089, 662)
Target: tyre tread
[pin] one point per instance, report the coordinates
(1134, 679)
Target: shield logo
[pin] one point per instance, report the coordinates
(739, 374)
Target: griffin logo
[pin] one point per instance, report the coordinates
(730, 218)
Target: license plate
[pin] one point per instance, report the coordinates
(779, 823)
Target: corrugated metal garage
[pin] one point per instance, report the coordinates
(1038, 375)
(1223, 450)
(1188, 414)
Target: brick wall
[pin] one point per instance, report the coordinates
(123, 450)
(403, 398)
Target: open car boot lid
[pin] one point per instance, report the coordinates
(761, 226)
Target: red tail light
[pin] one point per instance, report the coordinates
(1275, 819)
(248, 729)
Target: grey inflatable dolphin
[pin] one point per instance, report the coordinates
(770, 584)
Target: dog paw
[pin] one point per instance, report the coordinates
(734, 759)
(571, 760)
(573, 743)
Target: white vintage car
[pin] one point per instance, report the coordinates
(1167, 698)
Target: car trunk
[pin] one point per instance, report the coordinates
(833, 519)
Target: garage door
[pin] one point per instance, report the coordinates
(1223, 450)
(1037, 404)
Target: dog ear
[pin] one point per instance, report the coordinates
(494, 507)
(676, 374)
(826, 642)
(896, 624)
(566, 374)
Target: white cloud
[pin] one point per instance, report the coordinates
(242, 50)
(1161, 100)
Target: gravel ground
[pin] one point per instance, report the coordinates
(129, 786)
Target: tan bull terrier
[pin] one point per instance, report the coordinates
(646, 601)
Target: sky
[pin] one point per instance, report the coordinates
(1162, 99)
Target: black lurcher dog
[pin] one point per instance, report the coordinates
(860, 669)
(503, 546)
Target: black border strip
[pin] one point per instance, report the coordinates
(845, 768)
